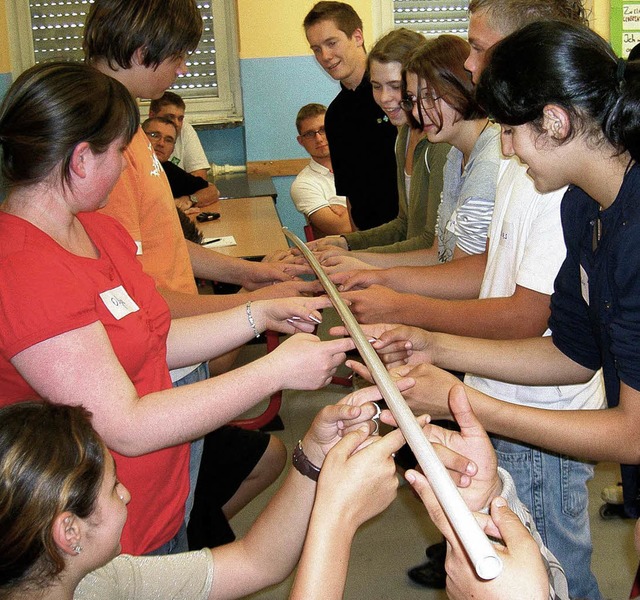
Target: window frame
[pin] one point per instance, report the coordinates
(205, 110)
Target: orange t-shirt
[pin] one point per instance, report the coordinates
(142, 201)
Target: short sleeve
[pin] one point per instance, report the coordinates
(308, 196)
(193, 157)
(188, 575)
(40, 300)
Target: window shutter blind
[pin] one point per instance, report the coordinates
(57, 27)
(432, 17)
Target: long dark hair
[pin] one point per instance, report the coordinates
(557, 62)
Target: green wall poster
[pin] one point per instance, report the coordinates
(625, 25)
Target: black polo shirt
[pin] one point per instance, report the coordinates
(362, 141)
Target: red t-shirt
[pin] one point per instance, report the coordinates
(46, 291)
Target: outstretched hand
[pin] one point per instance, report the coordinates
(354, 411)
(473, 442)
(524, 574)
(396, 344)
(337, 263)
(358, 479)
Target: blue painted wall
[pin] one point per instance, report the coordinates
(5, 82)
(273, 90)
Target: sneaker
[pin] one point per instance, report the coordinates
(431, 574)
(612, 494)
(613, 511)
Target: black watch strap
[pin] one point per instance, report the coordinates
(302, 463)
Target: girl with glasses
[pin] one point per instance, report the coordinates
(440, 96)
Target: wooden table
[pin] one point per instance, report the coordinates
(253, 222)
(244, 185)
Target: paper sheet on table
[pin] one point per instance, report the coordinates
(227, 240)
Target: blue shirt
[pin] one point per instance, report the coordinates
(595, 308)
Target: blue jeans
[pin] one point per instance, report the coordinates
(554, 489)
(176, 545)
(199, 374)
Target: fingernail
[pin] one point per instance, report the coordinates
(470, 469)
(314, 319)
(372, 339)
(499, 502)
(293, 319)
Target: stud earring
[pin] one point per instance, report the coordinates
(77, 548)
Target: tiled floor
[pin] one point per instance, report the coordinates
(395, 541)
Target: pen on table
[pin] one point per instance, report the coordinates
(210, 242)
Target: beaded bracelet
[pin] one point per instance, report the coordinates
(251, 321)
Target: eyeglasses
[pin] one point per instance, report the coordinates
(426, 100)
(156, 135)
(309, 135)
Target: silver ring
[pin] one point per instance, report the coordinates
(376, 419)
(378, 411)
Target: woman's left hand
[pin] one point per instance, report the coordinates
(358, 480)
(334, 421)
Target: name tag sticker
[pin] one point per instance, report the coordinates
(506, 235)
(118, 302)
(453, 220)
(584, 284)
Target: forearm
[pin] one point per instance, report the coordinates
(271, 548)
(322, 571)
(413, 259)
(207, 196)
(583, 434)
(488, 318)
(187, 305)
(458, 279)
(531, 361)
(214, 266)
(390, 260)
(178, 415)
(200, 338)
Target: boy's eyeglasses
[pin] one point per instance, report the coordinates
(309, 135)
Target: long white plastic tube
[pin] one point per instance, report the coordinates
(475, 542)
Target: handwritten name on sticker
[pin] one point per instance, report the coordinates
(118, 302)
